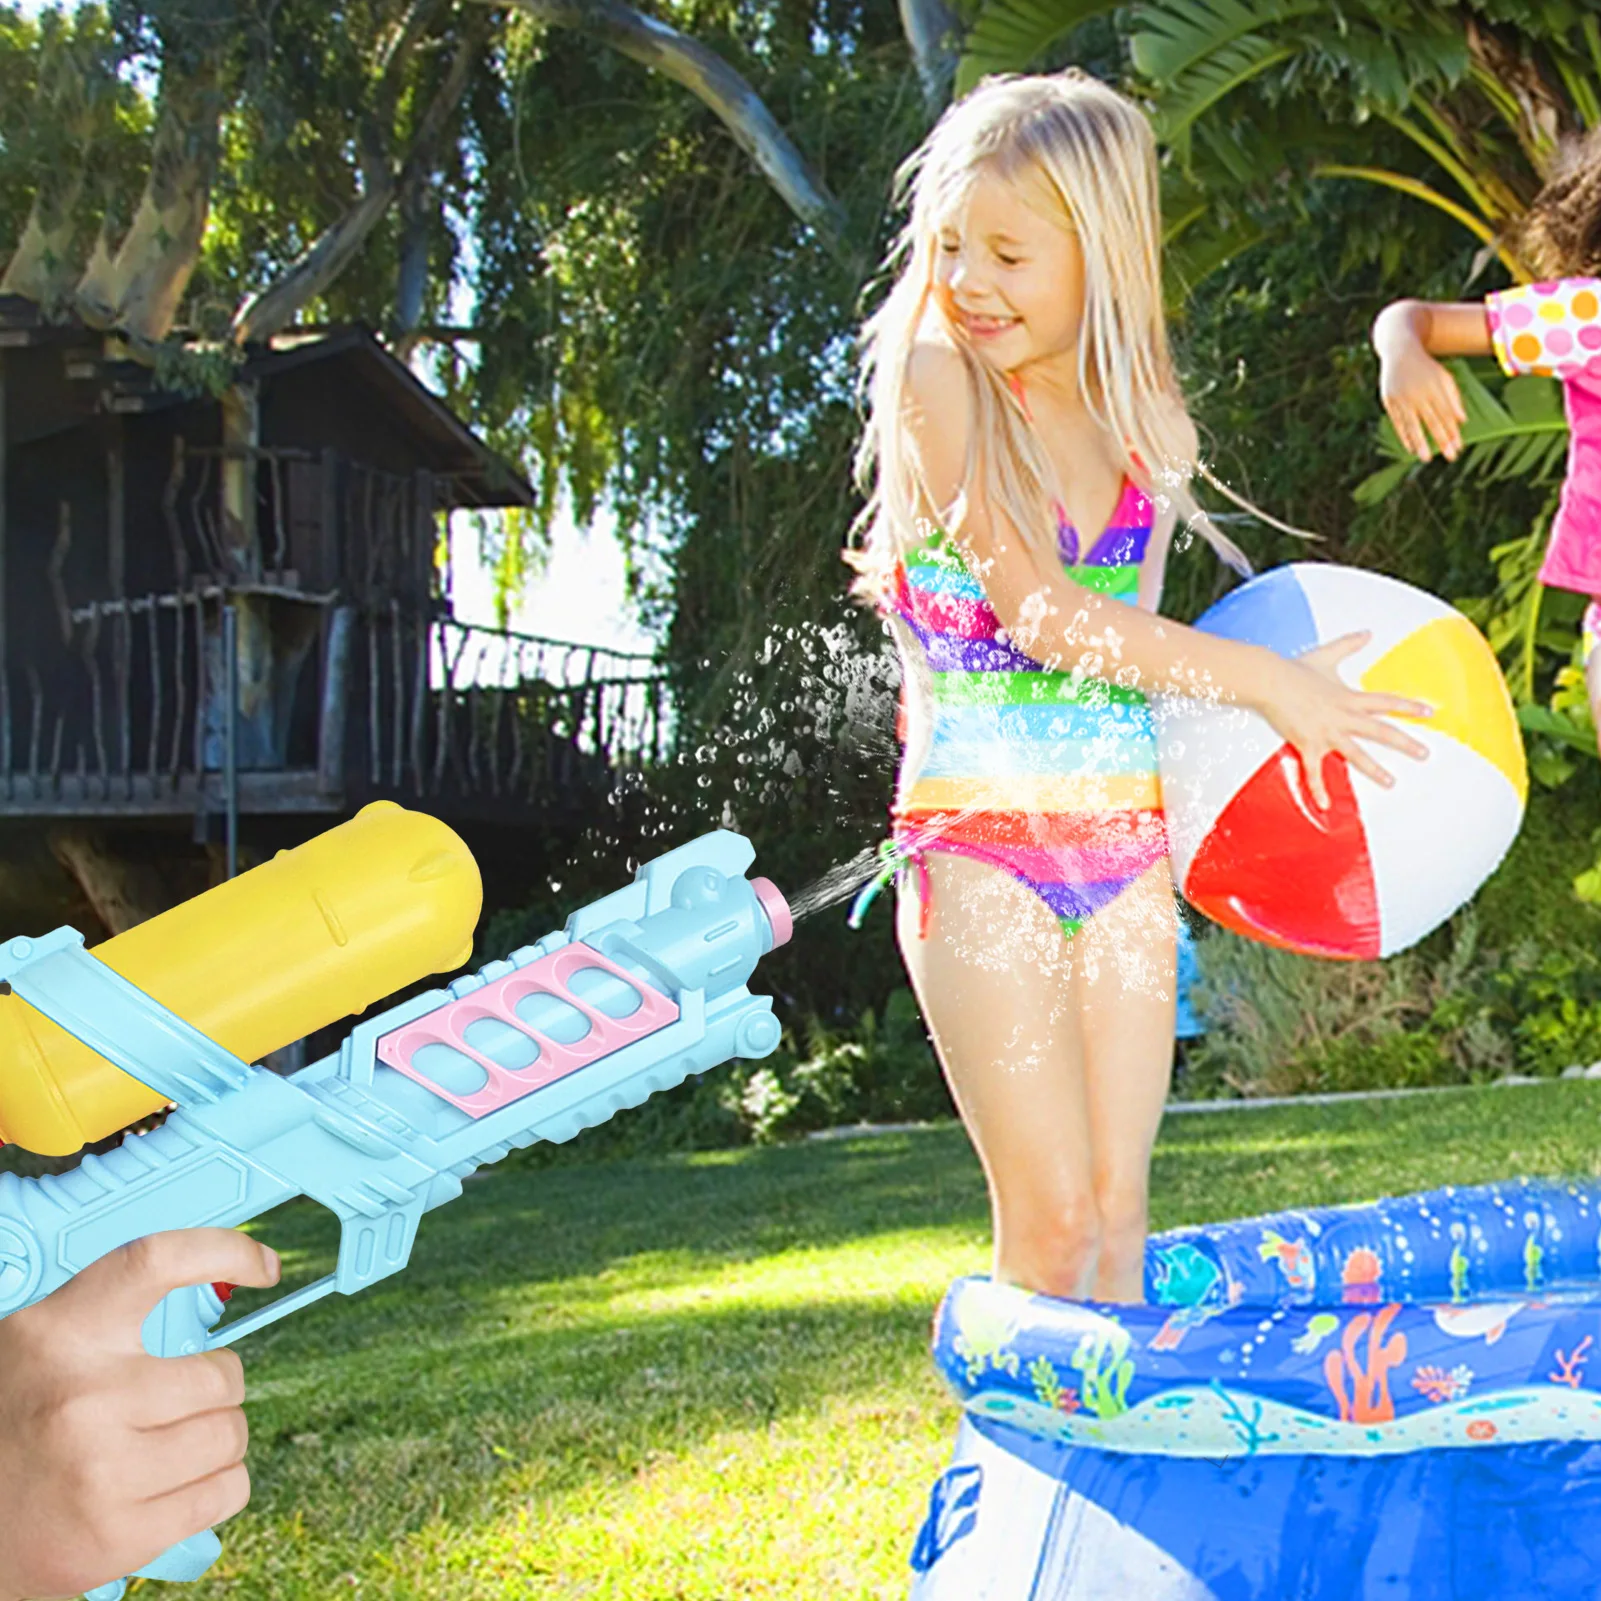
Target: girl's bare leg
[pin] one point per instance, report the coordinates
(994, 984)
(1124, 962)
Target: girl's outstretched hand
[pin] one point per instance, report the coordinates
(1320, 715)
(1422, 399)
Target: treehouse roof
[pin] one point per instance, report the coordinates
(355, 385)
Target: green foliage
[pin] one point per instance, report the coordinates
(1274, 354)
(1014, 35)
(879, 1069)
(1536, 634)
(1529, 895)
(320, 97)
(1253, 100)
(1283, 1024)
(1549, 1002)
(661, 334)
(198, 370)
(63, 110)
(1203, 50)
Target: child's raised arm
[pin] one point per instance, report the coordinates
(1059, 623)
(1419, 394)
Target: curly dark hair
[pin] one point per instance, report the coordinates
(1559, 236)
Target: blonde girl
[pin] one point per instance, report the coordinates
(1026, 456)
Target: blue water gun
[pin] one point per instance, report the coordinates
(640, 990)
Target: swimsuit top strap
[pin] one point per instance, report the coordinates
(1015, 385)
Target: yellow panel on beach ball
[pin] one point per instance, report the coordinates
(1449, 664)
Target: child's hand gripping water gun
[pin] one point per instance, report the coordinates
(642, 988)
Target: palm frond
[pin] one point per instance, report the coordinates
(1012, 35)
(1536, 719)
(1212, 80)
(1179, 36)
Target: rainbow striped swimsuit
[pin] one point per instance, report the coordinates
(1050, 776)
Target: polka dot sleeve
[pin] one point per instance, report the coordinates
(1549, 328)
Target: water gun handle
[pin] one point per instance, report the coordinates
(61, 979)
(187, 1560)
(177, 1327)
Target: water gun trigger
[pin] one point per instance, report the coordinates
(182, 1322)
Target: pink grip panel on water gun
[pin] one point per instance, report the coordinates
(642, 1011)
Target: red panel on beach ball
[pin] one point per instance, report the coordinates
(1275, 870)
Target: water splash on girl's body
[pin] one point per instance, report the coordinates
(1027, 458)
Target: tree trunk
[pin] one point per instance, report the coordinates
(42, 267)
(98, 285)
(1539, 125)
(122, 893)
(241, 437)
(157, 257)
(412, 280)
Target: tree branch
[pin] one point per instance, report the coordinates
(930, 27)
(331, 252)
(1421, 191)
(431, 130)
(720, 87)
(310, 273)
(378, 120)
(398, 51)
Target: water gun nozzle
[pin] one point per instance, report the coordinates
(777, 909)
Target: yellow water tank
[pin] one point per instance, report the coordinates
(314, 935)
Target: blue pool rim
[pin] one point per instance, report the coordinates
(1455, 1319)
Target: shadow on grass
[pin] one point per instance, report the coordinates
(597, 1230)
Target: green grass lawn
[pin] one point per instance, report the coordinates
(702, 1378)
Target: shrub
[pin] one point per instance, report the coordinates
(1283, 1024)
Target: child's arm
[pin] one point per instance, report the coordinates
(108, 1455)
(1420, 395)
(1058, 623)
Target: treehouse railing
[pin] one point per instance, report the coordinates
(458, 709)
(339, 703)
(321, 521)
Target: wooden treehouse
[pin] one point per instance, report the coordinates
(309, 503)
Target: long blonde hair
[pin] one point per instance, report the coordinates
(1097, 156)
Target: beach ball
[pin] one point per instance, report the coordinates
(1381, 867)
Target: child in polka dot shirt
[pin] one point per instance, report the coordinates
(1552, 327)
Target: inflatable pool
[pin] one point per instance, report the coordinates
(1390, 1400)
